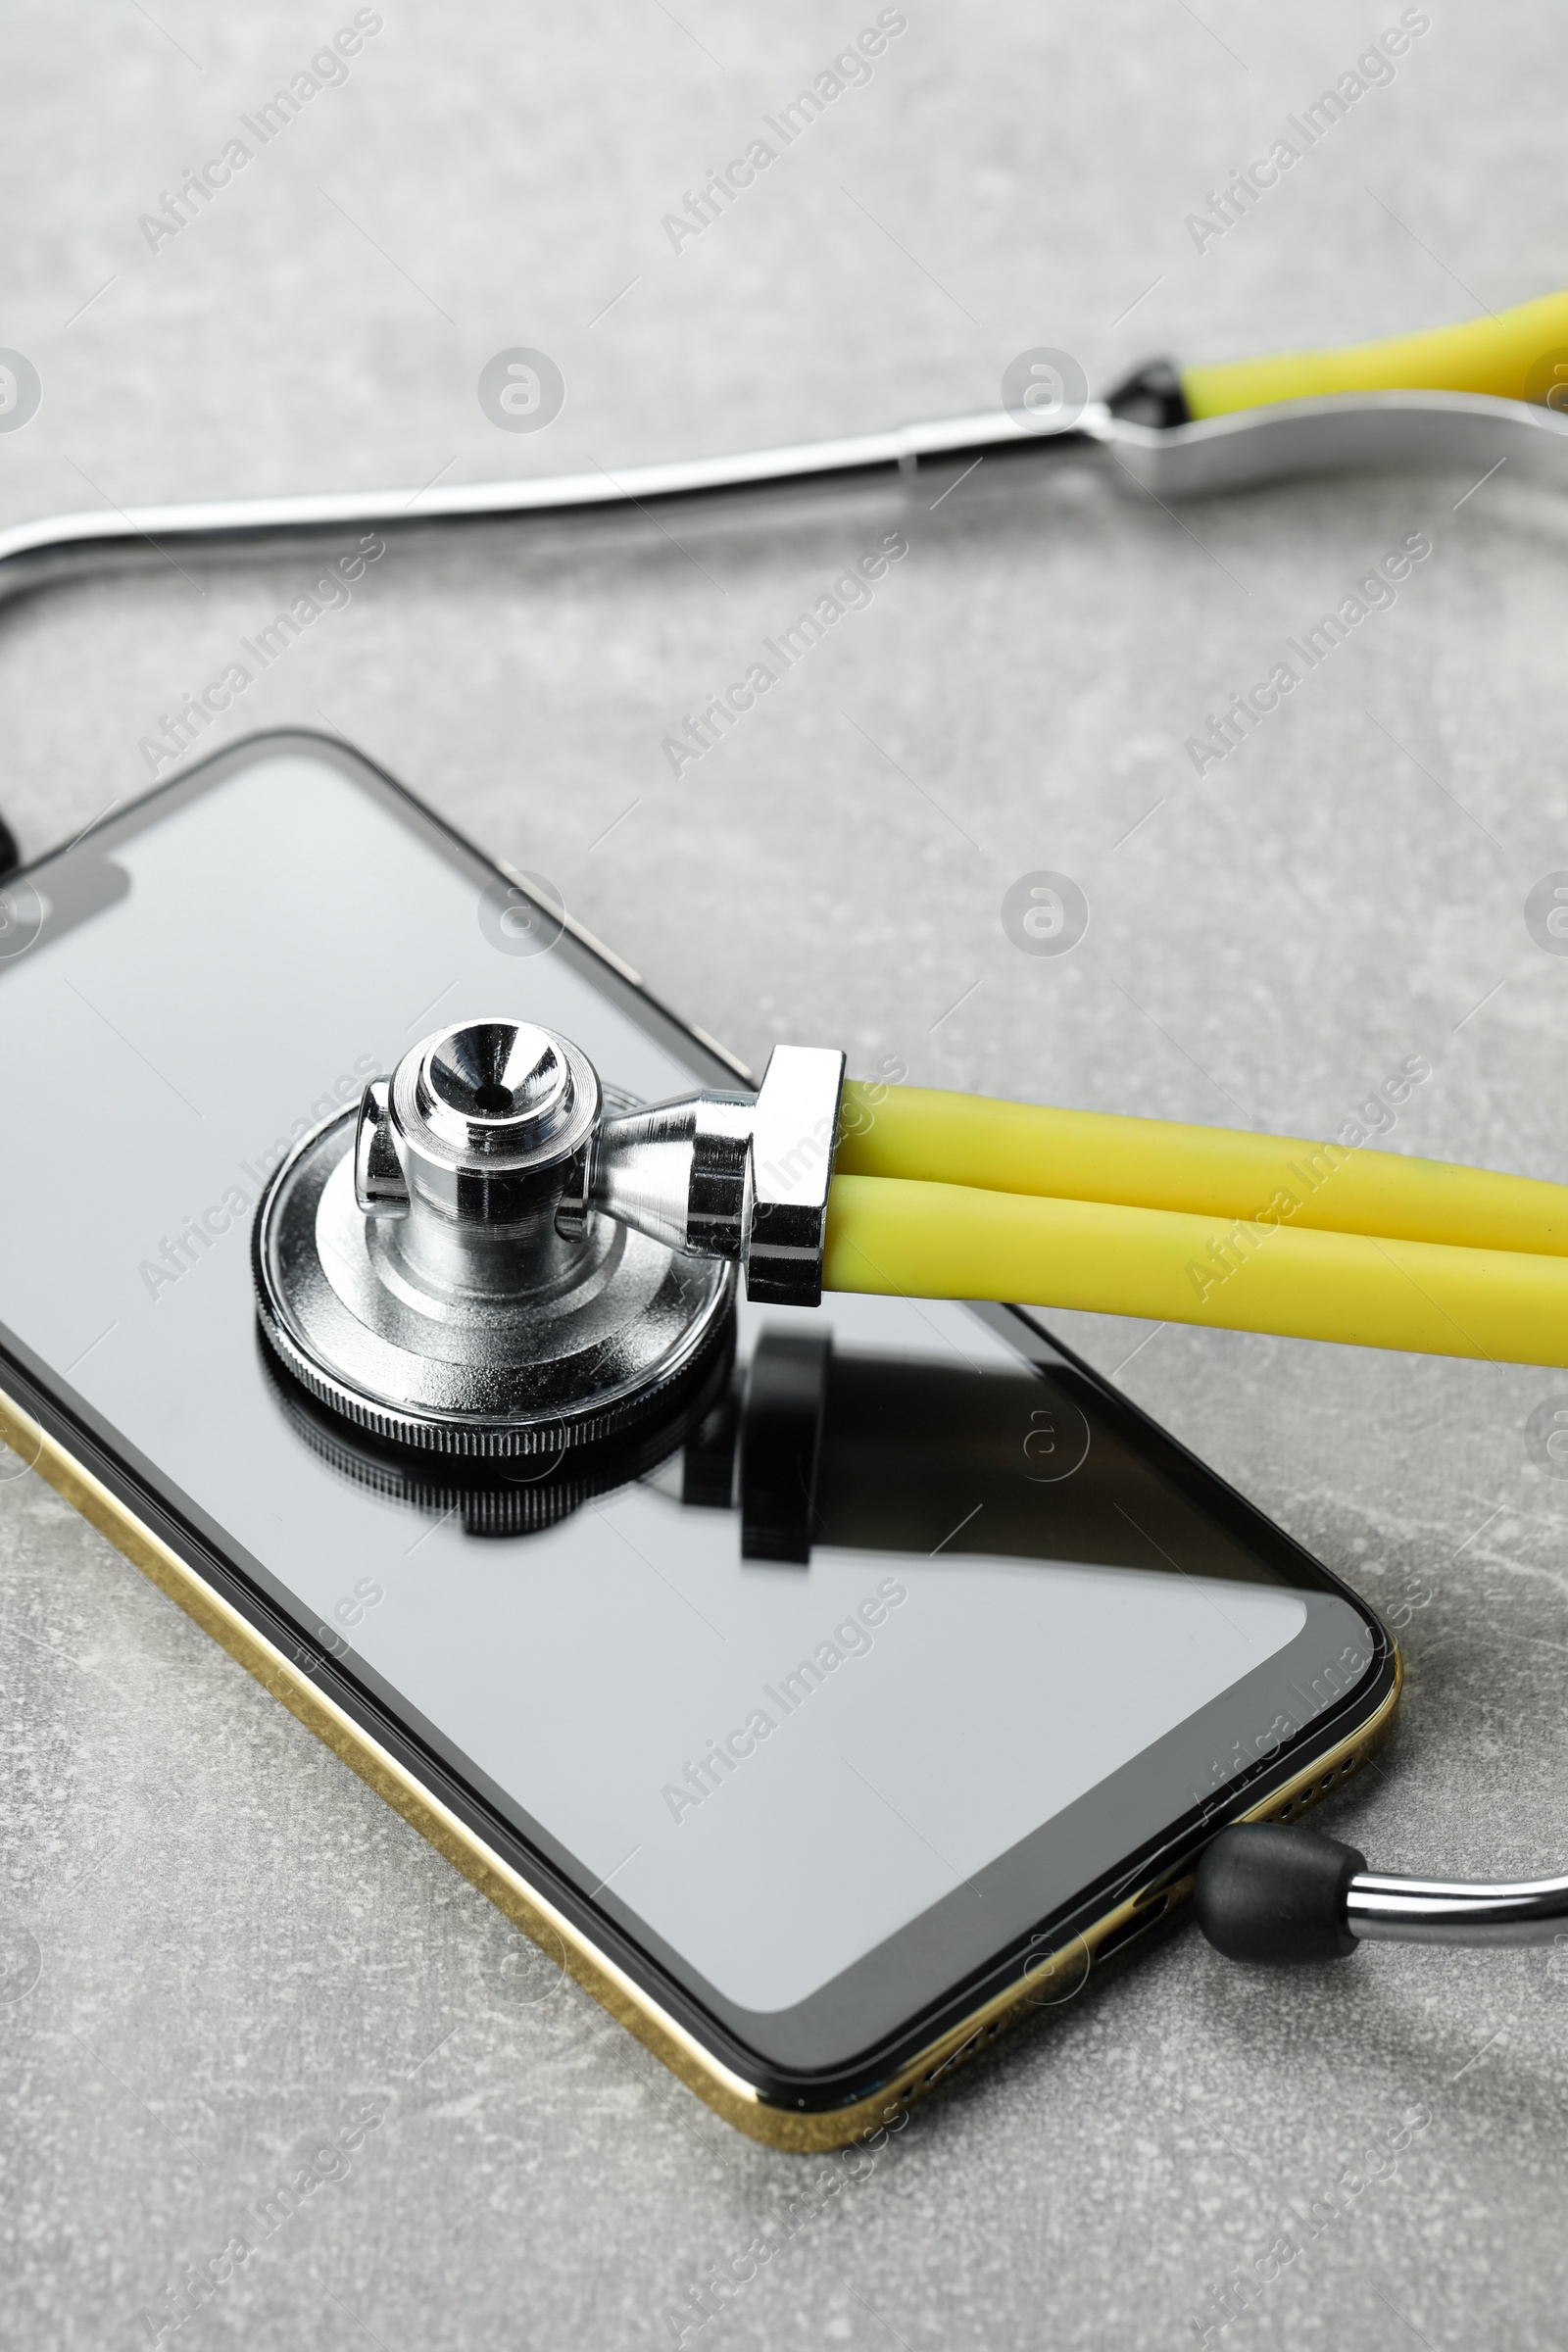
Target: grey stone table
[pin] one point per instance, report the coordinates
(239, 1949)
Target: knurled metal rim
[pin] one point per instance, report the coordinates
(473, 1439)
(436, 1486)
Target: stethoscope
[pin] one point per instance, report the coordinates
(492, 1166)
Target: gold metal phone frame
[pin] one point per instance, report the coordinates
(1061, 1975)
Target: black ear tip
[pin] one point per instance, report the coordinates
(10, 854)
(1152, 395)
(1270, 1895)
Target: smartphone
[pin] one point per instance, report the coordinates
(855, 1714)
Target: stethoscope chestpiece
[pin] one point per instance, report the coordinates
(487, 1259)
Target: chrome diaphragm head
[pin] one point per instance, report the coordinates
(485, 1260)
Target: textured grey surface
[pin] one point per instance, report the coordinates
(237, 1947)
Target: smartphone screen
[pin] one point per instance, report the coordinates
(908, 1634)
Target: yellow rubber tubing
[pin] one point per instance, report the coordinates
(928, 1136)
(1509, 355)
(944, 1241)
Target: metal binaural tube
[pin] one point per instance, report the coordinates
(1342, 433)
(68, 547)
(1386, 1909)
